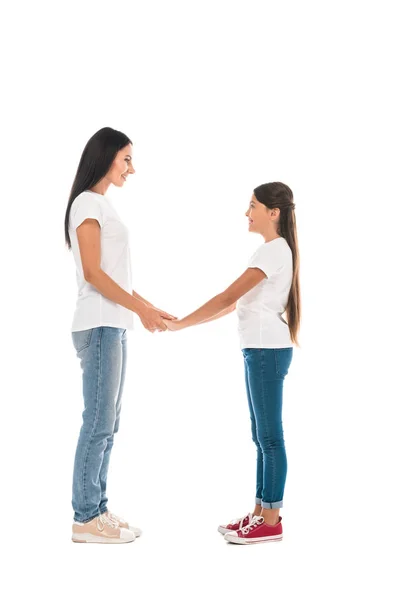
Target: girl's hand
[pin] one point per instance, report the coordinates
(173, 325)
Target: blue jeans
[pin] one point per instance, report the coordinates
(102, 354)
(265, 370)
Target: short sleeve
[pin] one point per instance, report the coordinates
(269, 259)
(85, 207)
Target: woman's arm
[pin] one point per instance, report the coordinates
(162, 313)
(146, 302)
(249, 279)
(88, 234)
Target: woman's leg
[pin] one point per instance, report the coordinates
(100, 353)
(260, 468)
(267, 370)
(110, 441)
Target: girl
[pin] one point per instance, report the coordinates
(104, 311)
(262, 294)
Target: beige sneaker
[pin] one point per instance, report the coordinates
(124, 524)
(101, 530)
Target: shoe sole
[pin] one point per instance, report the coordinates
(244, 541)
(134, 532)
(89, 538)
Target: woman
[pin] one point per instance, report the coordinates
(268, 288)
(104, 312)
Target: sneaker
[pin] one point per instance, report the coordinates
(101, 530)
(236, 524)
(122, 523)
(255, 532)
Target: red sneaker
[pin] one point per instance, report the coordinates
(255, 532)
(236, 524)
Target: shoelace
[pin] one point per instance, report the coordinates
(241, 521)
(104, 520)
(114, 518)
(253, 523)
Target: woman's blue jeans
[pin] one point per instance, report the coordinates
(265, 371)
(102, 354)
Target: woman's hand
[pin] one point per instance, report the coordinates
(152, 320)
(173, 325)
(164, 314)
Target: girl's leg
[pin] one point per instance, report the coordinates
(260, 468)
(100, 353)
(110, 440)
(267, 370)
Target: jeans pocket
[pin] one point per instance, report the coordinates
(283, 359)
(81, 339)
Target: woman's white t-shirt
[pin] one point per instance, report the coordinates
(92, 308)
(261, 324)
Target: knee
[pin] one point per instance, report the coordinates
(254, 434)
(269, 443)
(105, 426)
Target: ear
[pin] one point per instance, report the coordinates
(275, 213)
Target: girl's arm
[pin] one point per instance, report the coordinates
(220, 314)
(220, 303)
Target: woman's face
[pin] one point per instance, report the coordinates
(121, 167)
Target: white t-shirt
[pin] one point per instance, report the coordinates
(92, 308)
(261, 324)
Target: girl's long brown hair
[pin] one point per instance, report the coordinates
(279, 195)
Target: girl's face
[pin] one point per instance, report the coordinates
(261, 218)
(122, 167)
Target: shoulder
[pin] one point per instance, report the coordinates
(87, 201)
(283, 246)
(272, 256)
(88, 197)
(87, 206)
(278, 246)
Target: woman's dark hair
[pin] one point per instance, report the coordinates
(279, 195)
(96, 160)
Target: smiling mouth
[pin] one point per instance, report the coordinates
(124, 177)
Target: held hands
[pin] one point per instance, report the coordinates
(164, 314)
(154, 319)
(173, 325)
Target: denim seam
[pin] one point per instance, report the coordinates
(276, 362)
(255, 439)
(95, 420)
(110, 439)
(266, 428)
(87, 343)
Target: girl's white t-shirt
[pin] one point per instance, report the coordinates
(92, 308)
(261, 324)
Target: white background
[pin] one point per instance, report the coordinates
(218, 98)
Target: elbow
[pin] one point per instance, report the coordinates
(227, 302)
(90, 274)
